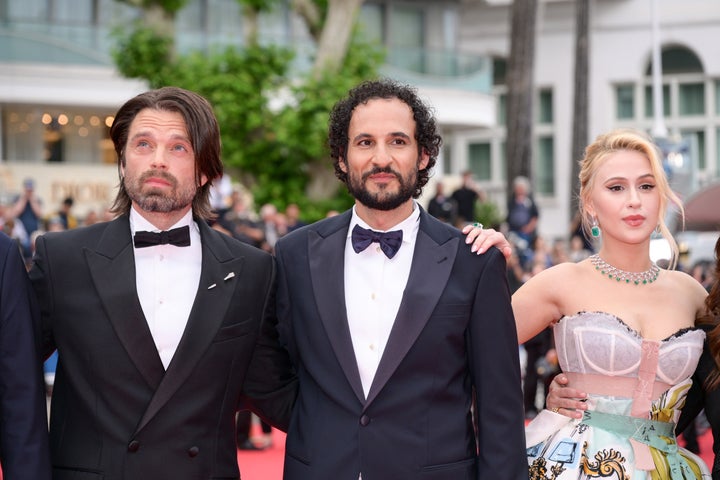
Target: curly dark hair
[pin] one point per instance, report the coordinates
(712, 302)
(426, 134)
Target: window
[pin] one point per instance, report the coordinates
(479, 160)
(545, 110)
(692, 99)
(223, 19)
(371, 20)
(37, 135)
(447, 159)
(717, 97)
(676, 60)
(27, 11)
(650, 108)
(499, 71)
(545, 166)
(503, 161)
(73, 12)
(502, 109)
(625, 102)
(405, 37)
(696, 141)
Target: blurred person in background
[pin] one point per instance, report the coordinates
(522, 217)
(441, 206)
(65, 214)
(292, 216)
(465, 198)
(27, 209)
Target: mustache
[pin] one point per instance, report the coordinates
(377, 170)
(159, 174)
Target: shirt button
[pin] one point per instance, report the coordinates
(372, 347)
(372, 296)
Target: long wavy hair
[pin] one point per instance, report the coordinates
(202, 128)
(635, 141)
(712, 302)
(426, 135)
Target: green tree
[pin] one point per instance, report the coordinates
(279, 154)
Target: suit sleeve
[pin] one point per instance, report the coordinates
(695, 400)
(495, 368)
(42, 287)
(270, 384)
(23, 422)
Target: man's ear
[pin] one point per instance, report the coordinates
(342, 164)
(423, 160)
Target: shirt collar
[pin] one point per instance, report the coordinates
(138, 223)
(409, 226)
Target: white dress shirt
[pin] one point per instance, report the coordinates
(167, 279)
(374, 286)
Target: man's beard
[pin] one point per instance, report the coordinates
(385, 199)
(152, 199)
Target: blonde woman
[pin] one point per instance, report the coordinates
(624, 328)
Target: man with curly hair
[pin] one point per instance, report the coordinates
(403, 338)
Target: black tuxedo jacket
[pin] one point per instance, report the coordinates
(116, 413)
(23, 420)
(452, 351)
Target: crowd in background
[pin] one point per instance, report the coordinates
(27, 216)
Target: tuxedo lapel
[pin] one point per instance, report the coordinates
(432, 263)
(326, 251)
(112, 268)
(220, 271)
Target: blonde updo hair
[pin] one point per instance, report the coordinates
(631, 140)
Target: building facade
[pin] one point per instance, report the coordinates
(59, 88)
(620, 90)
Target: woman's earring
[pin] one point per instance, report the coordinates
(595, 229)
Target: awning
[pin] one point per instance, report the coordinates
(702, 209)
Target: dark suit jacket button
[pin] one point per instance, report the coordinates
(134, 446)
(193, 451)
(365, 420)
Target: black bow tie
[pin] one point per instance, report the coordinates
(389, 241)
(180, 237)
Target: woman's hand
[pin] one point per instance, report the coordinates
(565, 400)
(484, 238)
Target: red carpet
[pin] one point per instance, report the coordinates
(263, 464)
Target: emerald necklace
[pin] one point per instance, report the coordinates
(614, 273)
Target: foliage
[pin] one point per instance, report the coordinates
(259, 5)
(169, 6)
(488, 214)
(141, 52)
